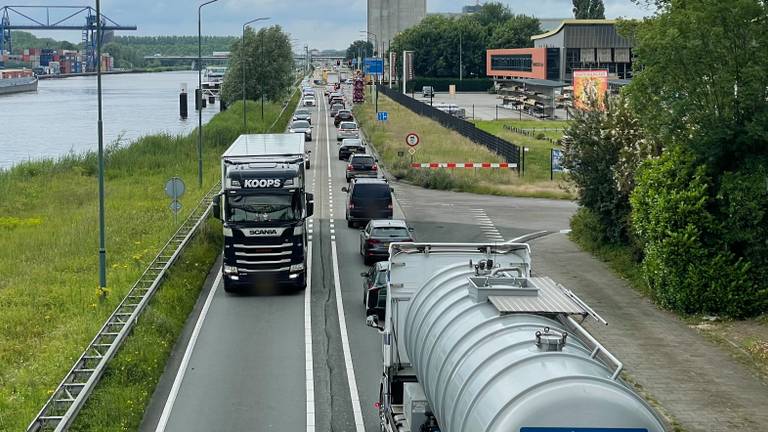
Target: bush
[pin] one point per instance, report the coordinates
(690, 261)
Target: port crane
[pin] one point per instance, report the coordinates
(64, 18)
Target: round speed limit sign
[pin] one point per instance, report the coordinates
(412, 139)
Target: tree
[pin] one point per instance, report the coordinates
(357, 47)
(588, 9)
(268, 61)
(492, 14)
(516, 32)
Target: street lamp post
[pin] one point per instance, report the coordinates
(461, 64)
(242, 66)
(199, 94)
(100, 128)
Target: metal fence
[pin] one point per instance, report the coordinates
(510, 152)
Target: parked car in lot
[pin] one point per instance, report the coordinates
(349, 147)
(362, 166)
(309, 101)
(375, 289)
(347, 130)
(343, 115)
(378, 234)
(368, 199)
(301, 126)
(303, 114)
(427, 91)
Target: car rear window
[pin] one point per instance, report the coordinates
(348, 126)
(300, 124)
(381, 279)
(362, 161)
(371, 190)
(391, 232)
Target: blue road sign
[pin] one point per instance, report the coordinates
(373, 66)
(383, 116)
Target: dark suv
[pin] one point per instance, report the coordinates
(362, 166)
(368, 199)
(350, 146)
(378, 234)
(343, 115)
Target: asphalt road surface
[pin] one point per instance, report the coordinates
(306, 360)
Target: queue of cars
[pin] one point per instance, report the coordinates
(369, 201)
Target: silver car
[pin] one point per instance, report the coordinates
(347, 130)
(302, 126)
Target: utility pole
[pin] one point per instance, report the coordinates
(100, 128)
(461, 64)
(199, 94)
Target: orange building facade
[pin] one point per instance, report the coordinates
(517, 63)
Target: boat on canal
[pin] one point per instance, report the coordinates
(17, 80)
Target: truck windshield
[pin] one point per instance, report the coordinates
(264, 207)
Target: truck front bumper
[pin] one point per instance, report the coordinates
(266, 280)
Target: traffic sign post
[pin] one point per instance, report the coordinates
(175, 188)
(412, 139)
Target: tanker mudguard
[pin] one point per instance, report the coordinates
(495, 349)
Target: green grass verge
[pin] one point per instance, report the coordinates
(439, 144)
(119, 401)
(49, 296)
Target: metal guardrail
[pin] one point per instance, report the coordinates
(62, 407)
(510, 152)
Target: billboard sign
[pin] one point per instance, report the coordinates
(557, 160)
(373, 66)
(590, 86)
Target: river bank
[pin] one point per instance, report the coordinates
(50, 312)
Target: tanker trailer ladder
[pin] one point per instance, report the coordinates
(60, 410)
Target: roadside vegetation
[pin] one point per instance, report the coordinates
(49, 296)
(672, 176)
(439, 144)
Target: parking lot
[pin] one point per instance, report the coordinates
(481, 106)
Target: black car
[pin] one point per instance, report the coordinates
(362, 166)
(368, 199)
(375, 289)
(342, 116)
(349, 147)
(378, 234)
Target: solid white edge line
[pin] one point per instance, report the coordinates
(350, 367)
(309, 369)
(165, 416)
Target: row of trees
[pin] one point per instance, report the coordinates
(677, 168)
(438, 40)
(269, 67)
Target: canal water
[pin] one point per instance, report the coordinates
(61, 116)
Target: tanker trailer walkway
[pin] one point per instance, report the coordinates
(696, 381)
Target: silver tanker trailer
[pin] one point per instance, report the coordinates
(473, 343)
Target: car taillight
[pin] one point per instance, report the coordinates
(349, 167)
(389, 206)
(373, 241)
(375, 167)
(351, 205)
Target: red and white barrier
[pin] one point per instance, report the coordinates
(454, 165)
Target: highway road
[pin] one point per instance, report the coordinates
(306, 360)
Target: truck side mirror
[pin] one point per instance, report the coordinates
(310, 204)
(373, 321)
(217, 207)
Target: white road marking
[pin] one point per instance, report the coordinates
(350, 367)
(486, 225)
(166, 415)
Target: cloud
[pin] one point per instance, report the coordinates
(319, 23)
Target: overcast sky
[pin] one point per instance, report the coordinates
(320, 23)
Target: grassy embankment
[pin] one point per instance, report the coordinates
(747, 339)
(439, 144)
(49, 299)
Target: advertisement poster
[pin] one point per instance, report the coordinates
(589, 85)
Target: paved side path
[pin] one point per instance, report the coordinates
(696, 381)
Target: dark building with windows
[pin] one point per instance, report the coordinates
(575, 44)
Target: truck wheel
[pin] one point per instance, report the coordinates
(350, 224)
(306, 165)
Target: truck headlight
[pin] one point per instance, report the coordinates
(298, 230)
(230, 269)
(228, 232)
(297, 267)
